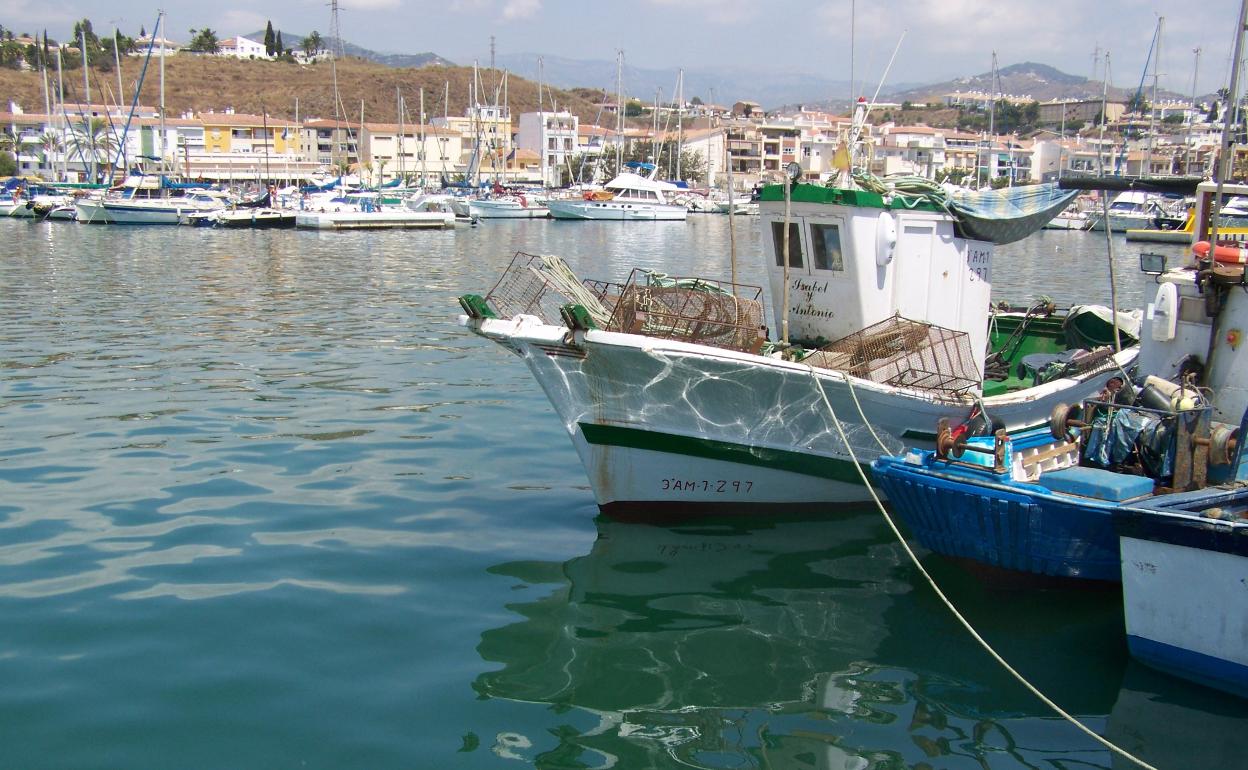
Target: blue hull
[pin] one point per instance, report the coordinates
(1021, 528)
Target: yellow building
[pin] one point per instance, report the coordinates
(231, 132)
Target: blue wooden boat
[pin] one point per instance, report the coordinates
(1054, 524)
(1036, 502)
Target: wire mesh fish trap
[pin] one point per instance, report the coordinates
(539, 285)
(905, 353)
(698, 310)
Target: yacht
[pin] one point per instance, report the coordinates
(630, 196)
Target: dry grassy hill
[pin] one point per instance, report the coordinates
(202, 83)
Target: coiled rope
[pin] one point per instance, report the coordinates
(949, 604)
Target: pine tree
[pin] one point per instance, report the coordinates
(278, 50)
(269, 41)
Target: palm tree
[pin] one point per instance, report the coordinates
(92, 141)
(10, 140)
(49, 142)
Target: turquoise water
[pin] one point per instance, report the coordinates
(263, 504)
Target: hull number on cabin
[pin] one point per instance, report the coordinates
(979, 259)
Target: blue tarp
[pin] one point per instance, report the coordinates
(1009, 214)
(321, 187)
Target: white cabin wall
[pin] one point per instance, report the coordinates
(1162, 357)
(905, 262)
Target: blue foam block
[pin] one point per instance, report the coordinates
(1096, 483)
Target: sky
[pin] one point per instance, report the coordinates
(935, 40)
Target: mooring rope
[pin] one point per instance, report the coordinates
(949, 604)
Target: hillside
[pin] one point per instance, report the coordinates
(294, 40)
(203, 83)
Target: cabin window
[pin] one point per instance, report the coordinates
(795, 244)
(825, 247)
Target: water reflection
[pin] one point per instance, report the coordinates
(787, 643)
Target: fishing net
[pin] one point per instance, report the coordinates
(540, 284)
(905, 353)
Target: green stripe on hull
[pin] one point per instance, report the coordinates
(724, 451)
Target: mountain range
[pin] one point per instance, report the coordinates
(775, 89)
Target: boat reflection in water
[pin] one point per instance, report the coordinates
(792, 643)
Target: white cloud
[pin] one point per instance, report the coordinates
(520, 9)
(238, 22)
(726, 12)
(370, 5)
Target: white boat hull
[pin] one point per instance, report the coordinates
(1120, 223)
(616, 211)
(506, 210)
(367, 220)
(1187, 610)
(661, 424)
(91, 211)
(125, 214)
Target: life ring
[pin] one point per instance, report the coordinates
(1227, 255)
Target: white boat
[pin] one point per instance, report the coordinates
(145, 200)
(384, 218)
(1131, 210)
(1071, 218)
(674, 397)
(508, 207)
(160, 211)
(627, 197)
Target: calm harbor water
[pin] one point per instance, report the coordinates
(263, 504)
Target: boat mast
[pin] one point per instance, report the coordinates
(619, 110)
(1152, 108)
(86, 122)
(1109, 234)
(541, 121)
(680, 120)
(1191, 117)
(398, 95)
(160, 22)
(422, 138)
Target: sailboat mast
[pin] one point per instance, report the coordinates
(619, 111)
(333, 67)
(62, 120)
(117, 60)
(680, 120)
(541, 121)
(1191, 118)
(160, 22)
(422, 137)
(86, 108)
(398, 94)
(1152, 108)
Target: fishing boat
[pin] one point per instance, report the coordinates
(1145, 486)
(628, 197)
(676, 396)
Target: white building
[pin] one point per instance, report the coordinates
(553, 135)
(241, 48)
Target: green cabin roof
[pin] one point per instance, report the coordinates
(814, 193)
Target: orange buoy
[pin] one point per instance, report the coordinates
(1227, 255)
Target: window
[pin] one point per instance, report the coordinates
(825, 247)
(795, 244)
